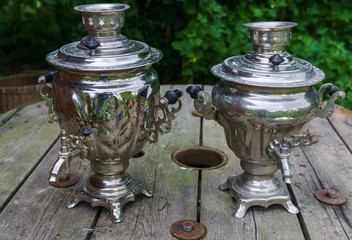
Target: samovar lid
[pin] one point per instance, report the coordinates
(105, 48)
(268, 65)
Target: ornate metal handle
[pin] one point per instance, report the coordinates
(202, 102)
(279, 150)
(46, 93)
(335, 93)
(159, 117)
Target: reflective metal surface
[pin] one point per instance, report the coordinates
(256, 67)
(106, 98)
(263, 100)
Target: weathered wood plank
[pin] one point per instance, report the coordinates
(217, 207)
(4, 117)
(327, 164)
(175, 190)
(23, 141)
(38, 210)
(341, 121)
(319, 219)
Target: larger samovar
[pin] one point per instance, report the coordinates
(263, 100)
(106, 98)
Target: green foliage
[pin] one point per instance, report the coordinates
(193, 34)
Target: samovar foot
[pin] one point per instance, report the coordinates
(291, 208)
(240, 190)
(224, 186)
(114, 202)
(240, 209)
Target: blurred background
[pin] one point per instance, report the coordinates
(192, 34)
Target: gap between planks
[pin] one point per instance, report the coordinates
(2, 207)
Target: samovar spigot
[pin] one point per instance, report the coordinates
(64, 159)
(71, 147)
(280, 151)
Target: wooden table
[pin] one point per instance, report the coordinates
(33, 209)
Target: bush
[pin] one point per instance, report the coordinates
(193, 35)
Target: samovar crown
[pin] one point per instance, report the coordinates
(103, 19)
(269, 36)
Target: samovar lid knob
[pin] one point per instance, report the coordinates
(276, 60)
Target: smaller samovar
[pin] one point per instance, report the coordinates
(106, 98)
(263, 100)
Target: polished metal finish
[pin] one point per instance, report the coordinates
(263, 101)
(106, 98)
(257, 70)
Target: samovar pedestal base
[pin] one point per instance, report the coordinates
(250, 192)
(110, 193)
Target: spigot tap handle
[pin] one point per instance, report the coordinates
(280, 151)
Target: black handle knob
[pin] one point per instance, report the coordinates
(86, 131)
(193, 91)
(173, 96)
(332, 89)
(276, 60)
(49, 77)
(91, 43)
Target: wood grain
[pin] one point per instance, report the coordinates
(325, 165)
(175, 189)
(38, 210)
(217, 207)
(4, 117)
(24, 139)
(341, 121)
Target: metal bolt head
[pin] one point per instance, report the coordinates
(331, 193)
(188, 230)
(187, 226)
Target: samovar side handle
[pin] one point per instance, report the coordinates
(335, 93)
(154, 124)
(203, 102)
(47, 79)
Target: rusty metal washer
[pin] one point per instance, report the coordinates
(330, 197)
(188, 230)
(66, 180)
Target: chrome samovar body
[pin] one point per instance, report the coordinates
(263, 101)
(106, 98)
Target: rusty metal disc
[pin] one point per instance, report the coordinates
(66, 180)
(197, 114)
(330, 197)
(188, 230)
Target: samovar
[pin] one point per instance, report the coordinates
(263, 100)
(106, 98)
